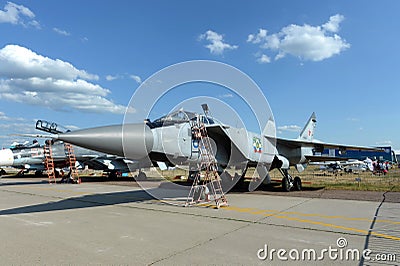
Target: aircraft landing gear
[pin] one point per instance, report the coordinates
(297, 184)
(38, 173)
(288, 182)
(112, 175)
(2, 172)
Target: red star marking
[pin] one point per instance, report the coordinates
(309, 132)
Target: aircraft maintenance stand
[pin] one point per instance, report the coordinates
(208, 183)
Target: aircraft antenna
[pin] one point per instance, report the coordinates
(206, 110)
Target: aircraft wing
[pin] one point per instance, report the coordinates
(319, 146)
(227, 140)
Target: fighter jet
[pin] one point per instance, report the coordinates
(30, 157)
(169, 140)
(348, 166)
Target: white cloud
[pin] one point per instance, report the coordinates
(20, 62)
(9, 140)
(29, 78)
(291, 128)
(61, 32)
(136, 78)
(333, 24)
(263, 59)
(111, 77)
(14, 125)
(259, 37)
(18, 14)
(122, 76)
(314, 43)
(217, 44)
(4, 117)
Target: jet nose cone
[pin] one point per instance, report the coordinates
(137, 139)
(6, 157)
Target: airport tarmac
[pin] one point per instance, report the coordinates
(94, 223)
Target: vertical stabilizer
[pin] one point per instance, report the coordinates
(308, 131)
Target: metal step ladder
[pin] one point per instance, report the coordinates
(207, 181)
(69, 151)
(49, 162)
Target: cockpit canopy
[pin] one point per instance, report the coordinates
(178, 117)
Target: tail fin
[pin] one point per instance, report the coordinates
(308, 131)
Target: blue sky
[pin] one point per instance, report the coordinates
(79, 62)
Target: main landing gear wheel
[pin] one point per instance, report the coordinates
(288, 182)
(285, 185)
(297, 184)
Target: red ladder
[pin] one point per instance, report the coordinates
(49, 162)
(72, 163)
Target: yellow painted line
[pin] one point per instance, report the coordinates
(273, 212)
(338, 227)
(340, 217)
(280, 216)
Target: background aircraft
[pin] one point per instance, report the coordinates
(30, 157)
(348, 166)
(170, 140)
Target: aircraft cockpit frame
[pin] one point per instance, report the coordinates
(179, 117)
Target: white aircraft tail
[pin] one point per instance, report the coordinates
(308, 131)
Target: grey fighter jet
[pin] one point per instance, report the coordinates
(170, 140)
(30, 157)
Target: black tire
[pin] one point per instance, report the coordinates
(38, 173)
(112, 175)
(2, 172)
(297, 184)
(285, 185)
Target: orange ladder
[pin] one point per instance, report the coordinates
(72, 163)
(49, 162)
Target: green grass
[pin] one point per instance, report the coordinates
(364, 181)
